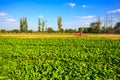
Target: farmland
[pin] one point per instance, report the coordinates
(57, 35)
(69, 58)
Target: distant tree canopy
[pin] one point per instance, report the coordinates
(3, 30)
(50, 30)
(117, 26)
(23, 24)
(95, 27)
(70, 30)
(116, 29)
(15, 31)
(80, 29)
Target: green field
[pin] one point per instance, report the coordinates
(75, 58)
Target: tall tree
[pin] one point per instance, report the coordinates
(43, 25)
(93, 27)
(39, 25)
(98, 25)
(111, 21)
(106, 23)
(60, 24)
(23, 24)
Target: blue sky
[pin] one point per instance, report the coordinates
(75, 13)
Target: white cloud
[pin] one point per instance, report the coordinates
(2, 14)
(77, 23)
(80, 21)
(89, 17)
(8, 22)
(72, 4)
(85, 17)
(84, 6)
(78, 17)
(41, 16)
(114, 11)
(54, 19)
(11, 20)
(114, 19)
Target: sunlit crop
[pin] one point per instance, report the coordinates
(59, 59)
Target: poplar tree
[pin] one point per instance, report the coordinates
(43, 25)
(23, 24)
(98, 25)
(60, 24)
(39, 25)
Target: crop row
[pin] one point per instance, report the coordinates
(57, 58)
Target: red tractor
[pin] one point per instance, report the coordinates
(79, 34)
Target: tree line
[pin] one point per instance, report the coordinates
(95, 27)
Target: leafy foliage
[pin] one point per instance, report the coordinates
(49, 30)
(117, 26)
(95, 27)
(23, 24)
(57, 58)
